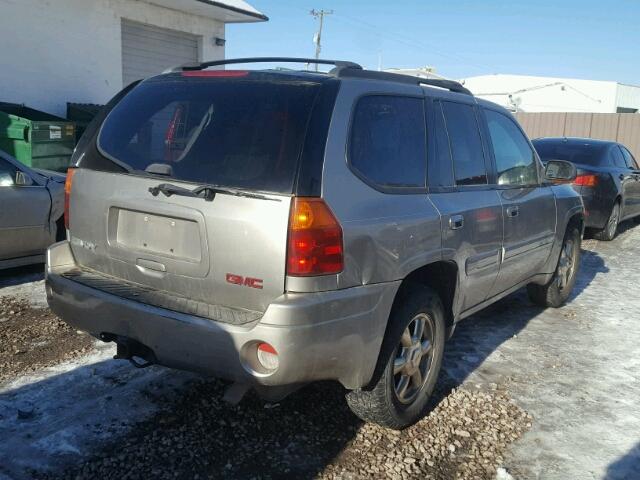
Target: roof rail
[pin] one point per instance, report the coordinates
(450, 85)
(339, 64)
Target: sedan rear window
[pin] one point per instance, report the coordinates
(238, 133)
(583, 153)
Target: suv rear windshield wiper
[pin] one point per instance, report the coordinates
(208, 192)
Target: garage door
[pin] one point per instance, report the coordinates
(149, 50)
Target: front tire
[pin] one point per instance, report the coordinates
(409, 363)
(556, 292)
(608, 233)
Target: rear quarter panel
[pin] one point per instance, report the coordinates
(386, 236)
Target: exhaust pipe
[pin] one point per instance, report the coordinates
(130, 349)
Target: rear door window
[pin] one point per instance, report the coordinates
(440, 172)
(466, 144)
(629, 160)
(618, 158)
(388, 141)
(515, 159)
(239, 133)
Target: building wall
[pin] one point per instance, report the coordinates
(628, 97)
(619, 127)
(58, 51)
(548, 94)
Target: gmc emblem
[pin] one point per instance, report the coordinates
(244, 281)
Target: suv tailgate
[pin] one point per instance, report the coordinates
(229, 251)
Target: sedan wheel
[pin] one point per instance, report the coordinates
(608, 233)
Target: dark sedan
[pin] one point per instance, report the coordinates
(608, 179)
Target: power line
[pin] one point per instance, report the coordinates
(319, 14)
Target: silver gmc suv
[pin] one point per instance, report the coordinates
(277, 227)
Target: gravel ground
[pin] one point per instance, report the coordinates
(33, 338)
(310, 435)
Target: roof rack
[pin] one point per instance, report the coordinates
(339, 64)
(450, 85)
(343, 69)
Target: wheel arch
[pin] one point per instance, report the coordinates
(442, 277)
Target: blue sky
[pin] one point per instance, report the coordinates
(587, 39)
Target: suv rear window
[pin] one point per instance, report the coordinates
(238, 133)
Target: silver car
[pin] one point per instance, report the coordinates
(279, 227)
(31, 208)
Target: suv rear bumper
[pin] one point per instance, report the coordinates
(332, 335)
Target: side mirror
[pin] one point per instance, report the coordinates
(560, 171)
(23, 180)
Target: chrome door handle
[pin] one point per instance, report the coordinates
(456, 222)
(513, 211)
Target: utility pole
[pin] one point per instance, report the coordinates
(316, 39)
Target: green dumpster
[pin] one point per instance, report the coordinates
(81, 114)
(35, 138)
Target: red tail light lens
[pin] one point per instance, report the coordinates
(67, 193)
(315, 239)
(588, 180)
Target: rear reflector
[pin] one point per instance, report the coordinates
(267, 356)
(216, 73)
(315, 239)
(67, 194)
(588, 180)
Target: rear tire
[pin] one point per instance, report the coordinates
(556, 292)
(608, 233)
(409, 362)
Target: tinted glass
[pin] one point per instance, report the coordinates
(465, 142)
(515, 159)
(236, 133)
(617, 158)
(584, 153)
(388, 141)
(628, 158)
(7, 174)
(440, 171)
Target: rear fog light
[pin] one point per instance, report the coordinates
(268, 357)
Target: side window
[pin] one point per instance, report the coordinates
(440, 165)
(617, 157)
(515, 159)
(7, 174)
(388, 141)
(629, 160)
(466, 144)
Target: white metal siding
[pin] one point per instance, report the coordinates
(148, 50)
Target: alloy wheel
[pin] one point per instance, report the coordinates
(566, 266)
(612, 225)
(413, 358)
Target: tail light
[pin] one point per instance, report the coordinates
(586, 180)
(67, 193)
(315, 239)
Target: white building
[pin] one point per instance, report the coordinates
(548, 94)
(84, 51)
(422, 72)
